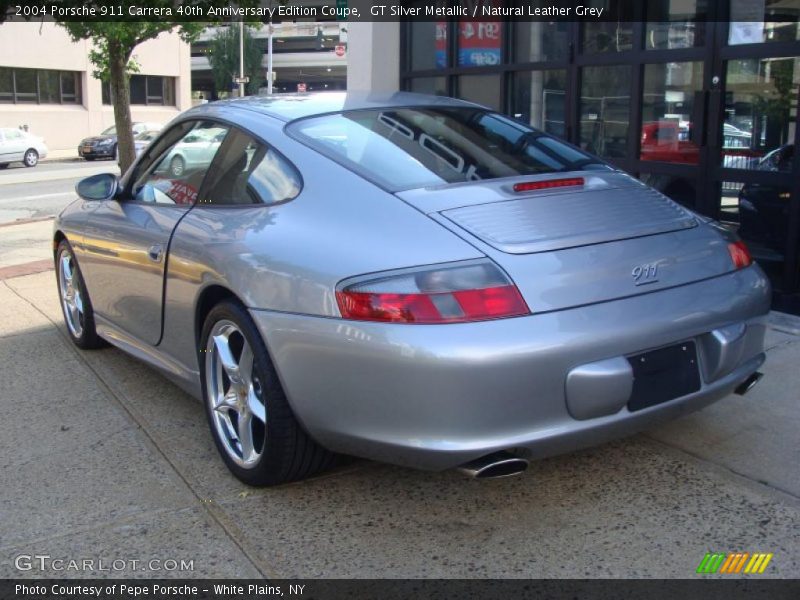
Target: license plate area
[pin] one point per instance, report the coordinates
(87, 148)
(664, 374)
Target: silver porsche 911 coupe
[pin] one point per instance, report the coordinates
(407, 278)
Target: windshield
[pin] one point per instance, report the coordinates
(405, 148)
(110, 131)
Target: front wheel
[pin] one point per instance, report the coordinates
(253, 426)
(3, 165)
(31, 158)
(75, 303)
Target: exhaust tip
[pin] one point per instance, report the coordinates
(748, 384)
(495, 466)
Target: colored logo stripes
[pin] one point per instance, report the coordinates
(734, 562)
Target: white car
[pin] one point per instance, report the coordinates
(17, 145)
(195, 150)
(143, 139)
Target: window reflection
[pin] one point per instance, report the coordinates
(607, 37)
(436, 86)
(481, 89)
(670, 130)
(538, 99)
(760, 109)
(605, 110)
(764, 21)
(540, 41)
(428, 45)
(480, 43)
(675, 24)
(760, 215)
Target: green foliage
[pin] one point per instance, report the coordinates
(223, 56)
(119, 38)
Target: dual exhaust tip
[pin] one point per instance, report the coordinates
(505, 464)
(495, 466)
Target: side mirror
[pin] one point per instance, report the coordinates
(98, 187)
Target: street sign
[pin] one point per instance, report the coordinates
(340, 50)
(239, 80)
(301, 87)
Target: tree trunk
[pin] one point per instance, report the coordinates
(121, 97)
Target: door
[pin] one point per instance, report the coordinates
(127, 239)
(13, 146)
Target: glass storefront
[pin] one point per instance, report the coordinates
(698, 98)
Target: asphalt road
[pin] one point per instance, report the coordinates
(45, 189)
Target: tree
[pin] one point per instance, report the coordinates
(114, 43)
(223, 56)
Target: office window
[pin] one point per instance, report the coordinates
(539, 98)
(152, 90)
(429, 85)
(605, 110)
(428, 45)
(39, 86)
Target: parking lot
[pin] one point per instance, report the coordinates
(103, 459)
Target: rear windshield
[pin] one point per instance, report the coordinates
(405, 148)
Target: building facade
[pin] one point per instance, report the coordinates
(310, 54)
(47, 84)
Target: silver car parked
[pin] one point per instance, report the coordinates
(407, 278)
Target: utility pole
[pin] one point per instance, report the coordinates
(241, 59)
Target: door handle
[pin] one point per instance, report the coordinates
(155, 252)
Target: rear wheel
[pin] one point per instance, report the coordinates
(253, 426)
(31, 158)
(176, 166)
(75, 303)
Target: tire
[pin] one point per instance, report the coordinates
(74, 299)
(3, 165)
(89, 157)
(30, 158)
(274, 450)
(177, 166)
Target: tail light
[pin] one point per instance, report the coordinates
(548, 184)
(740, 255)
(473, 291)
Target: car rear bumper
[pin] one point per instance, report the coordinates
(96, 152)
(437, 396)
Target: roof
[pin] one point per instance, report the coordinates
(288, 107)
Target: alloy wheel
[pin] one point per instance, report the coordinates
(235, 394)
(71, 298)
(31, 158)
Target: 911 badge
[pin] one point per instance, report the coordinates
(645, 274)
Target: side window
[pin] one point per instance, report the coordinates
(249, 172)
(177, 174)
(13, 134)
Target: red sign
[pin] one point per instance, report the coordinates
(301, 87)
(340, 49)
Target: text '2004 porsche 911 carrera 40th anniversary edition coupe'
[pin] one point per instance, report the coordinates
(406, 278)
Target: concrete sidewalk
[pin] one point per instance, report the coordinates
(102, 458)
(24, 243)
